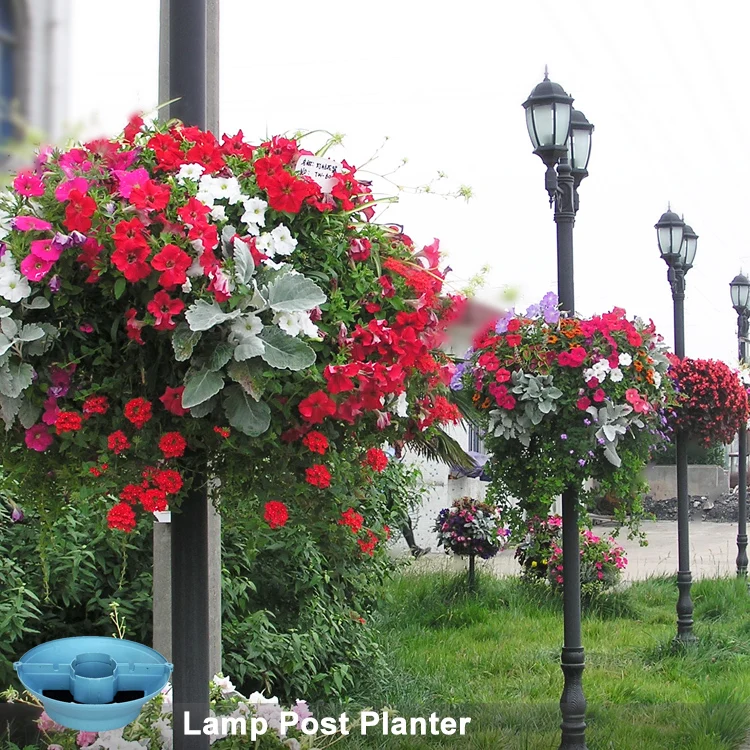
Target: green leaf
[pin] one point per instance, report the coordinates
(9, 327)
(203, 315)
(294, 293)
(37, 303)
(244, 265)
(204, 409)
(221, 355)
(5, 312)
(5, 343)
(15, 378)
(120, 286)
(285, 352)
(245, 414)
(249, 376)
(28, 413)
(31, 332)
(8, 409)
(250, 346)
(184, 341)
(200, 387)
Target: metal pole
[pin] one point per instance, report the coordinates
(572, 661)
(190, 559)
(742, 470)
(684, 577)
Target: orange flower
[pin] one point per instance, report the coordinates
(650, 376)
(475, 398)
(638, 365)
(485, 404)
(552, 339)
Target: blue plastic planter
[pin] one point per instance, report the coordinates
(93, 683)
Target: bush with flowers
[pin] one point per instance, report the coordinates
(470, 527)
(565, 400)
(534, 552)
(602, 563)
(153, 727)
(712, 401)
(169, 296)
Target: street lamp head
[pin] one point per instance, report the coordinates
(689, 247)
(670, 232)
(739, 288)
(579, 144)
(548, 110)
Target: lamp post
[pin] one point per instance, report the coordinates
(561, 137)
(678, 244)
(739, 288)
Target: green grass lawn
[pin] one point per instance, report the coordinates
(494, 656)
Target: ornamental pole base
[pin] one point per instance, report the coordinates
(573, 701)
(685, 633)
(742, 555)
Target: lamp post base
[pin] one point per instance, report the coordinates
(685, 633)
(573, 701)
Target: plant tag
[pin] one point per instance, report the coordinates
(320, 169)
(163, 516)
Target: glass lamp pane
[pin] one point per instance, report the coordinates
(670, 240)
(530, 127)
(736, 294)
(689, 248)
(543, 115)
(563, 123)
(581, 140)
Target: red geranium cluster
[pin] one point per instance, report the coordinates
(712, 403)
(152, 495)
(275, 514)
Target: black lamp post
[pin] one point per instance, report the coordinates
(561, 137)
(740, 291)
(678, 244)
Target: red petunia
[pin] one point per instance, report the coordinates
(339, 377)
(376, 459)
(275, 514)
(287, 193)
(131, 261)
(68, 421)
(352, 519)
(173, 262)
(95, 405)
(316, 407)
(151, 196)
(318, 476)
(138, 411)
(122, 517)
(164, 308)
(316, 442)
(78, 213)
(172, 445)
(168, 480)
(133, 326)
(172, 400)
(118, 442)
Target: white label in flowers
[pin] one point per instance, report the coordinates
(320, 169)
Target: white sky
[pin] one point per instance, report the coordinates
(663, 82)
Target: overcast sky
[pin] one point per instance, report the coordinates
(663, 82)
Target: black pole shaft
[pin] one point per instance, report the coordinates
(472, 573)
(742, 464)
(190, 579)
(684, 576)
(572, 661)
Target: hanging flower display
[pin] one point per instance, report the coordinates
(712, 401)
(566, 399)
(166, 295)
(470, 527)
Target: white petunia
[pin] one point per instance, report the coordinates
(187, 287)
(247, 325)
(219, 213)
(307, 326)
(273, 265)
(7, 266)
(401, 407)
(226, 188)
(255, 211)
(288, 322)
(195, 270)
(190, 172)
(283, 242)
(625, 360)
(14, 287)
(657, 379)
(224, 684)
(258, 699)
(264, 243)
(616, 375)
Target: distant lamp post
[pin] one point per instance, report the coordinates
(739, 288)
(678, 244)
(561, 137)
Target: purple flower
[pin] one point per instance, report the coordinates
(533, 311)
(581, 462)
(55, 284)
(548, 306)
(456, 384)
(17, 515)
(563, 436)
(3, 249)
(587, 422)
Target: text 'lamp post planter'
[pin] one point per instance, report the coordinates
(561, 137)
(739, 288)
(678, 244)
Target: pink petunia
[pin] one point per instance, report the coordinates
(35, 268)
(38, 438)
(30, 224)
(28, 184)
(51, 411)
(62, 191)
(48, 250)
(128, 181)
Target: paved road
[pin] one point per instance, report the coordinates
(713, 549)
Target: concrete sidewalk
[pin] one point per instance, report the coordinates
(713, 550)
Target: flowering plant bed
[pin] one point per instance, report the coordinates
(712, 401)
(534, 552)
(602, 563)
(565, 400)
(472, 528)
(165, 295)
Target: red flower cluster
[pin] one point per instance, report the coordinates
(172, 445)
(352, 519)
(318, 476)
(376, 459)
(95, 405)
(122, 517)
(138, 412)
(712, 402)
(275, 514)
(118, 442)
(367, 546)
(68, 421)
(316, 442)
